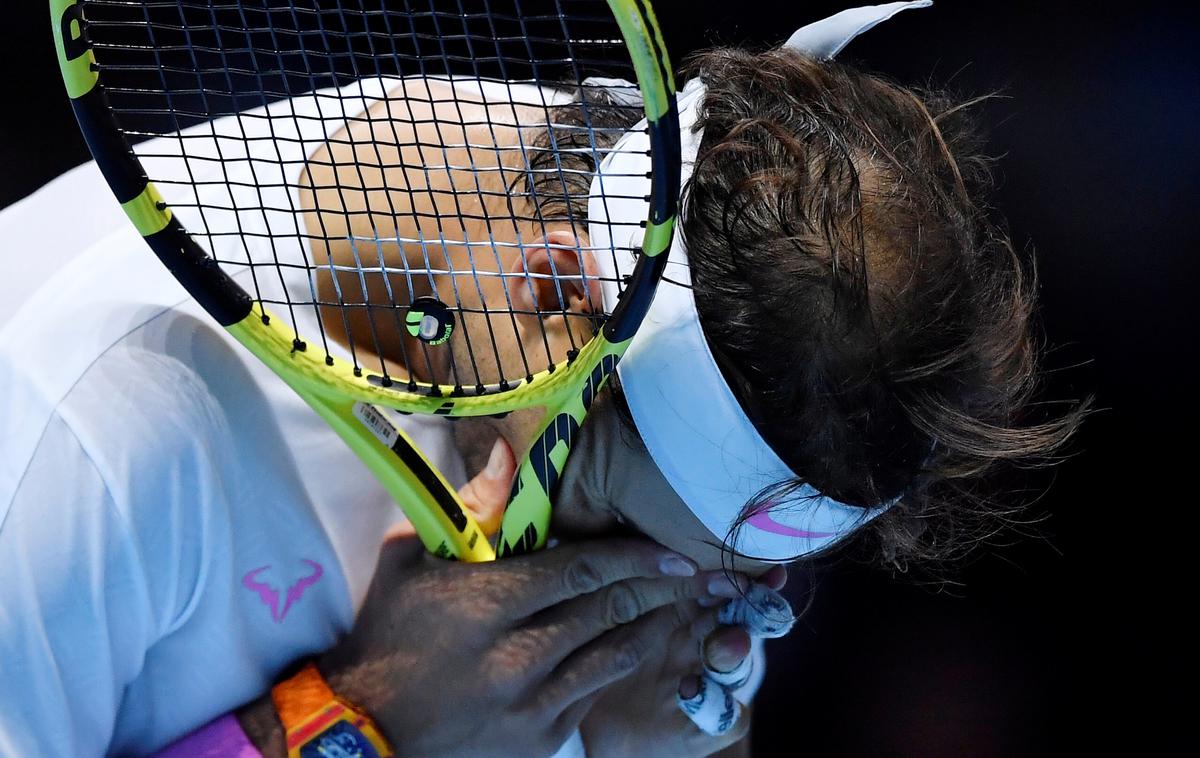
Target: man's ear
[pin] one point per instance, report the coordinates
(557, 275)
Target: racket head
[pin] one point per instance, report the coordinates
(209, 122)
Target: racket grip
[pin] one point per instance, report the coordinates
(527, 518)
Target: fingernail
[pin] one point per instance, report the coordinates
(495, 464)
(722, 655)
(776, 578)
(689, 687)
(722, 585)
(708, 601)
(675, 565)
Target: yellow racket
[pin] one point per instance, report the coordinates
(358, 190)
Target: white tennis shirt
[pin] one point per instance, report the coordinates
(176, 526)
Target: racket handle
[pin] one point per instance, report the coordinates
(527, 518)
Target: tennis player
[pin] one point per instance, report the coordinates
(856, 356)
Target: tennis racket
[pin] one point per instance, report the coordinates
(384, 201)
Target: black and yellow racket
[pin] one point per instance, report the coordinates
(383, 201)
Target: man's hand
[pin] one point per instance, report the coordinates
(503, 658)
(506, 658)
(640, 716)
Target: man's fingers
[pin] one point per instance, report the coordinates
(700, 742)
(713, 711)
(544, 579)
(684, 656)
(611, 657)
(726, 648)
(487, 494)
(400, 552)
(572, 624)
(775, 578)
(574, 714)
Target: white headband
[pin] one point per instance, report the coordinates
(689, 419)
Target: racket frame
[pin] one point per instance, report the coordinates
(345, 396)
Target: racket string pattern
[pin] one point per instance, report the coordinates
(491, 108)
(387, 202)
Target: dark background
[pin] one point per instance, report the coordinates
(1076, 640)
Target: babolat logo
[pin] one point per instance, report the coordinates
(526, 543)
(71, 32)
(429, 320)
(596, 380)
(564, 429)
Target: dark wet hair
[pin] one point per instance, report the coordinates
(862, 299)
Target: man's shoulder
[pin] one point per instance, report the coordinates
(132, 415)
(44, 231)
(77, 334)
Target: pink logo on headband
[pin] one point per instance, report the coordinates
(763, 520)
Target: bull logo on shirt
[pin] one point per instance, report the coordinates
(260, 582)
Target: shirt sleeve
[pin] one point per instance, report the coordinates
(75, 609)
(103, 549)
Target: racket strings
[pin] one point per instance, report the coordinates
(439, 146)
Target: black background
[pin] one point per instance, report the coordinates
(1074, 641)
